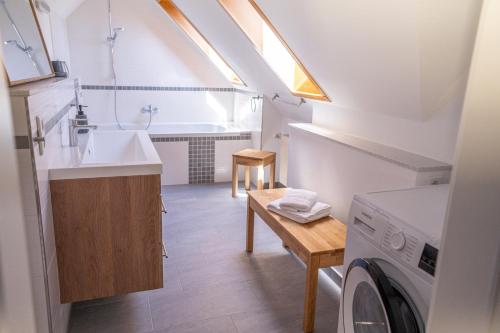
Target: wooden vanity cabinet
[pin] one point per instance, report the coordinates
(108, 235)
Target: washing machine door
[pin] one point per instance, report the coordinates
(373, 303)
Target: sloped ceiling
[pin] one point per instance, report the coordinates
(64, 7)
(405, 58)
(215, 24)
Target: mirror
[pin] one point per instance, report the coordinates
(25, 54)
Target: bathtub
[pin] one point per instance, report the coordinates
(178, 129)
(196, 153)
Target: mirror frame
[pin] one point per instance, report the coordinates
(39, 78)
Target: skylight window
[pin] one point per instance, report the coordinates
(269, 44)
(186, 25)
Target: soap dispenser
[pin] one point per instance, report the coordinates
(82, 119)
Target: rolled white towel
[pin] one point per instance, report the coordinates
(318, 211)
(296, 200)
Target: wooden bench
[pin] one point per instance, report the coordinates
(318, 244)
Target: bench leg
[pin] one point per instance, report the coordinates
(235, 178)
(310, 295)
(260, 177)
(250, 226)
(247, 178)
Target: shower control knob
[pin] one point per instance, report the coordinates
(398, 241)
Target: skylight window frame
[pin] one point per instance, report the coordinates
(267, 21)
(193, 40)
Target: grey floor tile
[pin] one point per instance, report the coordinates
(210, 283)
(213, 325)
(125, 317)
(107, 300)
(279, 320)
(80, 321)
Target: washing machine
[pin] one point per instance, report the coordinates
(392, 247)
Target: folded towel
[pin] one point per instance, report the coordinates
(318, 211)
(298, 200)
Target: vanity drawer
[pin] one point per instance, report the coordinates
(108, 236)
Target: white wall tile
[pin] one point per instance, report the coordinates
(337, 172)
(19, 115)
(224, 158)
(175, 159)
(45, 105)
(174, 106)
(40, 304)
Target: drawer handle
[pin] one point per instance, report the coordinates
(164, 250)
(163, 209)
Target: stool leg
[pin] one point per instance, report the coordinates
(260, 177)
(235, 177)
(247, 178)
(272, 175)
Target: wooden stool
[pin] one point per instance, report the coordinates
(257, 158)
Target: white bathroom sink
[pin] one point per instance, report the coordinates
(114, 147)
(108, 154)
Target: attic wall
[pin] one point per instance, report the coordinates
(435, 137)
(54, 30)
(395, 71)
(152, 51)
(464, 289)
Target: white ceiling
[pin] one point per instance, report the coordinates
(400, 58)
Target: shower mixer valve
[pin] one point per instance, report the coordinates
(150, 109)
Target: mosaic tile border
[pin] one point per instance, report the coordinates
(165, 88)
(202, 153)
(242, 136)
(49, 125)
(23, 141)
(202, 160)
(155, 88)
(169, 139)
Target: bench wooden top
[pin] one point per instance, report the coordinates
(254, 154)
(325, 236)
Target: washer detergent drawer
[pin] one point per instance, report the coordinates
(368, 222)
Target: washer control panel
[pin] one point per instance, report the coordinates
(428, 259)
(398, 241)
(402, 244)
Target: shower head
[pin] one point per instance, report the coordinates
(14, 42)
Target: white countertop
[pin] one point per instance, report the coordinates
(398, 156)
(424, 208)
(33, 88)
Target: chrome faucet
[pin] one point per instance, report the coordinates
(73, 131)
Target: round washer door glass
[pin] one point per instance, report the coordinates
(371, 304)
(368, 313)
